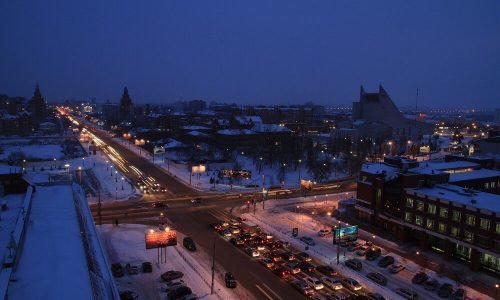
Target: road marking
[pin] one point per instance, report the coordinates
(277, 297)
(264, 292)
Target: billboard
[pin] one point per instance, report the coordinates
(198, 169)
(349, 233)
(306, 184)
(156, 238)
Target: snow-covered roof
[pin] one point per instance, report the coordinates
(6, 169)
(270, 128)
(172, 144)
(476, 174)
(457, 194)
(247, 120)
(434, 167)
(222, 122)
(195, 127)
(207, 113)
(235, 132)
(379, 168)
(196, 133)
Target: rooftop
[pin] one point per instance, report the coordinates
(476, 174)
(379, 168)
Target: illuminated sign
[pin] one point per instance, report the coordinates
(306, 184)
(349, 233)
(156, 238)
(198, 169)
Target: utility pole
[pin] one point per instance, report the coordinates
(213, 270)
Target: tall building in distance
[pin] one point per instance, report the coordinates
(37, 107)
(125, 106)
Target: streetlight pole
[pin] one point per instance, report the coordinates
(122, 182)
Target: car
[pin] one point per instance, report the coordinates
(335, 283)
(159, 204)
(324, 232)
(288, 256)
(386, 261)
(351, 284)
(147, 267)
(281, 272)
(240, 219)
(117, 270)
(128, 295)
(276, 257)
(234, 222)
(189, 244)
(172, 285)
(308, 240)
(326, 270)
(407, 293)
(354, 264)
(431, 284)
(163, 189)
(195, 201)
(230, 280)
(445, 290)
(362, 251)
(314, 282)
(171, 275)
(353, 247)
(302, 287)
(459, 294)
(336, 296)
(306, 267)
(131, 269)
(304, 256)
(226, 233)
(235, 230)
(179, 292)
(261, 247)
(252, 252)
(375, 296)
(419, 278)
(373, 253)
(396, 268)
(294, 268)
(190, 297)
(377, 277)
(267, 262)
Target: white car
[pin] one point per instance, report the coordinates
(332, 282)
(314, 283)
(396, 268)
(351, 284)
(324, 232)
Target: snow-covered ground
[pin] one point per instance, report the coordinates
(32, 151)
(284, 219)
(125, 244)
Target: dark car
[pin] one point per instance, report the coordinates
(445, 290)
(179, 292)
(386, 261)
(375, 296)
(459, 294)
(326, 270)
(282, 272)
(419, 278)
(159, 204)
(431, 284)
(147, 267)
(131, 269)
(230, 280)
(354, 264)
(171, 275)
(196, 201)
(306, 267)
(117, 270)
(373, 253)
(304, 256)
(128, 295)
(189, 244)
(377, 277)
(288, 256)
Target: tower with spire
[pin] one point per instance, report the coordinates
(37, 107)
(125, 106)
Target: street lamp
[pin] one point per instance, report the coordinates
(496, 290)
(83, 162)
(116, 176)
(122, 182)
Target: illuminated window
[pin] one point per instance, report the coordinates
(419, 220)
(455, 231)
(409, 202)
(470, 220)
(420, 205)
(443, 212)
(497, 229)
(485, 224)
(430, 224)
(408, 217)
(456, 216)
(431, 208)
(442, 227)
(468, 236)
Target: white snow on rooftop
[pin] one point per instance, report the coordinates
(429, 167)
(171, 144)
(476, 174)
(378, 168)
(195, 127)
(52, 264)
(248, 119)
(460, 195)
(235, 132)
(270, 128)
(196, 133)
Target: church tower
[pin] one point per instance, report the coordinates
(125, 106)
(37, 107)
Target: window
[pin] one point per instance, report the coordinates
(482, 240)
(490, 262)
(497, 229)
(419, 220)
(485, 224)
(468, 236)
(431, 208)
(493, 184)
(442, 227)
(408, 217)
(420, 205)
(430, 224)
(443, 212)
(497, 245)
(486, 185)
(409, 202)
(455, 231)
(470, 220)
(456, 216)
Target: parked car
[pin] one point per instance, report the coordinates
(362, 251)
(375, 296)
(171, 275)
(351, 284)
(386, 261)
(302, 287)
(314, 282)
(131, 269)
(419, 278)
(396, 268)
(179, 292)
(159, 204)
(407, 293)
(128, 295)
(459, 294)
(326, 270)
(445, 290)
(230, 280)
(335, 283)
(308, 240)
(354, 264)
(304, 256)
(324, 232)
(377, 277)
(431, 284)
(117, 270)
(172, 285)
(189, 244)
(373, 253)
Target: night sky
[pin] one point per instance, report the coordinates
(253, 52)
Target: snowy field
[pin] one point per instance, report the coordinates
(125, 244)
(32, 151)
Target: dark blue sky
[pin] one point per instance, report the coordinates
(260, 52)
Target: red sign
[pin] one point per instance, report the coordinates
(160, 238)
